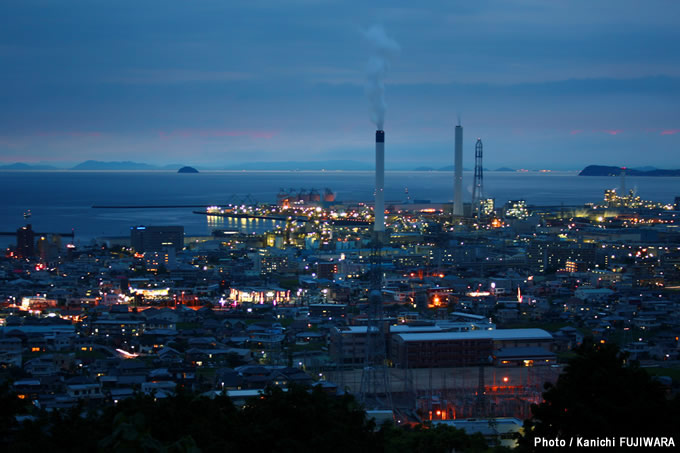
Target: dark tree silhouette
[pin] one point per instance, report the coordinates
(298, 420)
(437, 439)
(601, 394)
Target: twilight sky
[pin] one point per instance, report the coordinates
(545, 84)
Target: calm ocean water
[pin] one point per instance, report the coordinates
(62, 200)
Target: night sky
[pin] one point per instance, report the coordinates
(545, 84)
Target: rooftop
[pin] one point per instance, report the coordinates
(495, 335)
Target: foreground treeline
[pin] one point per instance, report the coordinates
(300, 420)
(600, 394)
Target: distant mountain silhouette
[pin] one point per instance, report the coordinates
(447, 168)
(22, 166)
(605, 170)
(329, 165)
(504, 169)
(187, 170)
(298, 165)
(127, 165)
(452, 168)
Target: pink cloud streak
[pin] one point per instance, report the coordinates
(670, 132)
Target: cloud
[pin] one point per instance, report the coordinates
(217, 77)
(75, 134)
(176, 76)
(8, 142)
(216, 133)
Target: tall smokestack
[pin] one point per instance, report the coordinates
(458, 176)
(623, 181)
(379, 209)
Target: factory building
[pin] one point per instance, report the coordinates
(348, 344)
(454, 349)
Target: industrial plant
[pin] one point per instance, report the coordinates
(343, 308)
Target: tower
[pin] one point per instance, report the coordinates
(623, 181)
(480, 400)
(478, 185)
(458, 175)
(375, 392)
(379, 208)
(375, 386)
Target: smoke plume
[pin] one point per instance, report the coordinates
(383, 50)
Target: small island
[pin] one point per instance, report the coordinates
(605, 170)
(187, 170)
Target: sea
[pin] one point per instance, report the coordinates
(62, 201)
